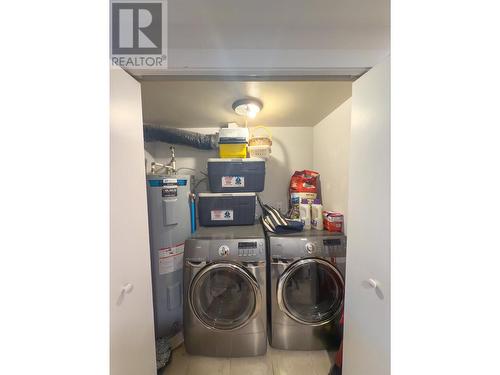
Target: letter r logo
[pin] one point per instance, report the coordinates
(136, 28)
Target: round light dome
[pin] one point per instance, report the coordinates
(247, 107)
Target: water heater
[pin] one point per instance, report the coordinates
(169, 216)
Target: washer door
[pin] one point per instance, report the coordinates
(224, 296)
(311, 291)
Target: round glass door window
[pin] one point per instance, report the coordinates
(311, 291)
(224, 296)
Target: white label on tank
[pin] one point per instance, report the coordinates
(170, 259)
(221, 215)
(169, 181)
(233, 181)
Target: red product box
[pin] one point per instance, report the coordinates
(333, 221)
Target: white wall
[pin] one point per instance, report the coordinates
(331, 138)
(291, 150)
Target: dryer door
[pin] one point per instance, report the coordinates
(311, 291)
(224, 296)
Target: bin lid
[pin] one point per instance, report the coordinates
(236, 160)
(232, 140)
(234, 133)
(215, 195)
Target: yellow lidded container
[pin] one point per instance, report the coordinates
(233, 143)
(233, 150)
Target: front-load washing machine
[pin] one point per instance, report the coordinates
(225, 292)
(306, 289)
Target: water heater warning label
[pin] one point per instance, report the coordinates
(169, 192)
(170, 259)
(233, 181)
(222, 215)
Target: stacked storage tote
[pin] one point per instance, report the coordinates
(233, 184)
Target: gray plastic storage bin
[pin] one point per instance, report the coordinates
(225, 209)
(236, 175)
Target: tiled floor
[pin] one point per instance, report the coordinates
(275, 362)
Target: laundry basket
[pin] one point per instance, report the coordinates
(259, 145)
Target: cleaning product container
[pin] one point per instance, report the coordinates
(259, 144)
(305, 213)
(233, 142)
(226, 209)
(317, 215)
(236, 175)
(333, 221)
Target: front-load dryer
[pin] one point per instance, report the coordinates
(306, 289)
(225, 292)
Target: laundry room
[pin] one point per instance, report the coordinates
(264, 187)
(249, 214)
(250, 206)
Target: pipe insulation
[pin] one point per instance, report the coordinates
(158, 133)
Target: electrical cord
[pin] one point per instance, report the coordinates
(199, 182)
(194, 170)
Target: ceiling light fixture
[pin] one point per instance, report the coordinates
(247, 107)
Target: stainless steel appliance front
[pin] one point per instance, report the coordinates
(225, 292)
(306, 291)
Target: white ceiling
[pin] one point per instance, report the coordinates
(192, 103)
(275, 36)
(278, 24)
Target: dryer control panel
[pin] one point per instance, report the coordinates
(334, 247)
(321, 245)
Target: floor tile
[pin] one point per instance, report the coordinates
(332, 354)
(198, 365)
(292, 362)
(273, 356)
(261, 365)
(226, 369)
(320, 362)
(178, 364)
(275, 362)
